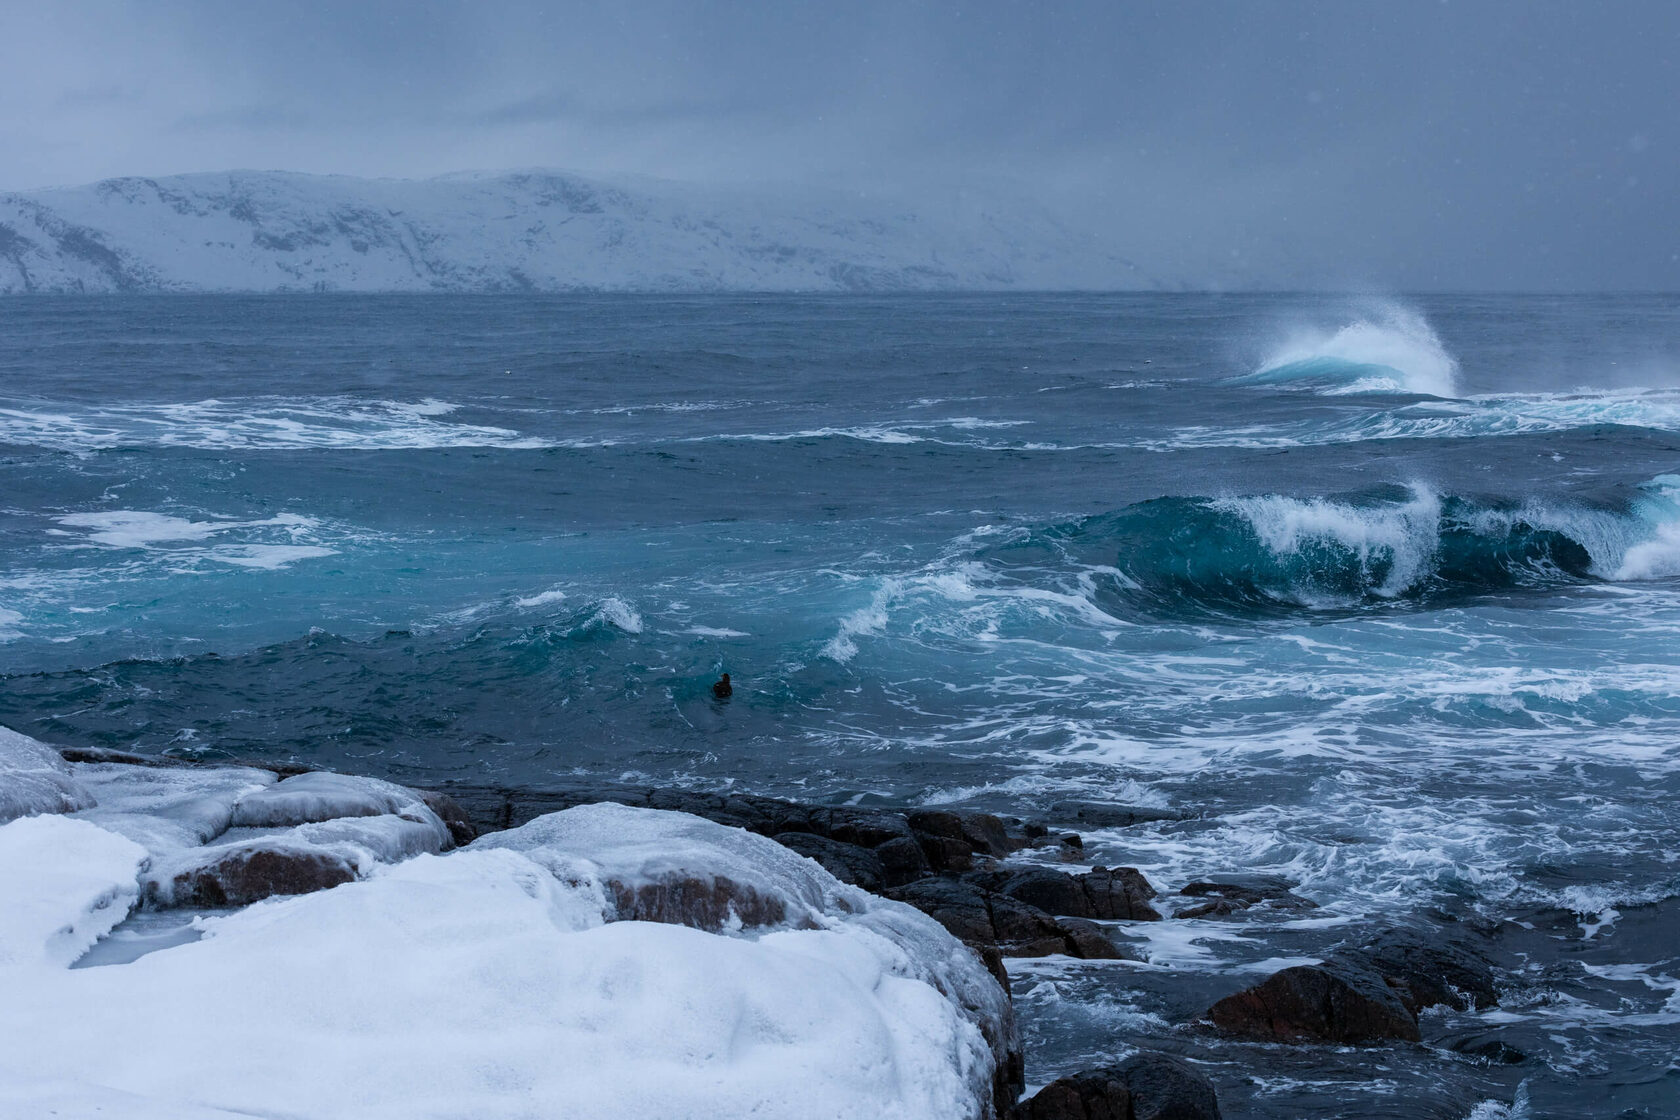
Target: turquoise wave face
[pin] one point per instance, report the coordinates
(1273, 554)
(1331, 373)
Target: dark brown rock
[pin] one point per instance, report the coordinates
(246, 875)
(944, 854)
(1145, 1087)
(1333, 1002)
(1103, 893)
(1119, 892)
(988, 835)
(1218, 908)
(985, 918)
(846, 862)
(462, 831)
(712, 904)
(866, 830)
(902, 861)
(1442, 967)
(1091, 943)
(1230, 894)
(1092, 814)
(936, 822)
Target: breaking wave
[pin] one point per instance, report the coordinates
(1394, 351)
(1267, 553)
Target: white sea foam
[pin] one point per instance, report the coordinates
(716, 632)
(541, 599)
(268, 557)
(870, 619)
(165, 533)
(1468, 418)
(616, 613)
(344, 423)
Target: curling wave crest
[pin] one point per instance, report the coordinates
(1264, 553)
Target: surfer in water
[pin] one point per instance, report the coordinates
(723, 690)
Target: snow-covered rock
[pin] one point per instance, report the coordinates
(489, 982)
(63, 885)
(323, 796)
(35, 779)
(166, 808)
(526, 231)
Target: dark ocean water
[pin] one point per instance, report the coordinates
(1385, 599)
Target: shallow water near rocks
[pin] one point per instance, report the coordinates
(1379, 599)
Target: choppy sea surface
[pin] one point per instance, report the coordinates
(1381, 597)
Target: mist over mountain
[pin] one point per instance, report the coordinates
(247, 231)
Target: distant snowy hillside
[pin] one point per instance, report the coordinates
(526, 231)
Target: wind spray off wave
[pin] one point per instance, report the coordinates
(1391, 351)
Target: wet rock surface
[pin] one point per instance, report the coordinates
(986, 918)
(1146, 1087)
(848, 863)
(1333, 1002)
(1120, 893)
(1231, 894)
(1093, 814)
(1369, 992)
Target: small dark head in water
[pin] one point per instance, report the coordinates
(723, 690)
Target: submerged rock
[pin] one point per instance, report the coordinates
(1093, 814)
(1145, 1087)
(1231, 894)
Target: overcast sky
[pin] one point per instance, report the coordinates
(1525, 144)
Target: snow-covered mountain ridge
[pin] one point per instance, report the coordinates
(522, 231)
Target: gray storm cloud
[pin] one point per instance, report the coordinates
(1381, 146)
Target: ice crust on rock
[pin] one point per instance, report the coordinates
(35, 779)
(487, 982)
(164, 809)
(644, 850)
(322, 796)
(232, 835)
(63, 885)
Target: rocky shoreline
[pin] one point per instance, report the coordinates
(1008, 888)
